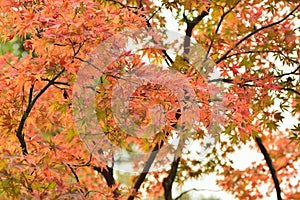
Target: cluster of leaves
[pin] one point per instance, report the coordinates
(255, 47)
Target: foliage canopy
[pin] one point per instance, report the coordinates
(255, 45)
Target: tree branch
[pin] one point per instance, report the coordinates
(262, 51)
(143, 175)
(251, 85)
(225, 80)
(56, 82)
(168, 181)
(195, 189)
(290, 73)
(154, 13)
(149, 162)
(74, 173)
(218, 27)
(97, 68)
(168, 58)
(107, 174)
(292, 90)
(254, 32)
(76, 51)
(189, 29)
(31, 102)
(270, 165)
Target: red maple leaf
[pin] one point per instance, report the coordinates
(234, 69)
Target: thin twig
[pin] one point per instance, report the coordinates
(218, 27)
(290, 73)
(292, 90)
(88, 163)
(56, 82)
(195, 189)
(263, 51)
(74, 173)
(156, 11)
(254, 32)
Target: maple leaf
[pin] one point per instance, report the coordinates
(234, 69)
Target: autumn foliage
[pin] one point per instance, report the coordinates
(254, 45)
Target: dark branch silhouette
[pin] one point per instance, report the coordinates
(290, 73)
(190, 25)
(147, 166)
(270, 165)
(107, 174)
(31, 102)
(168, 181)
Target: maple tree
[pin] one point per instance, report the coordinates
(254, 44)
